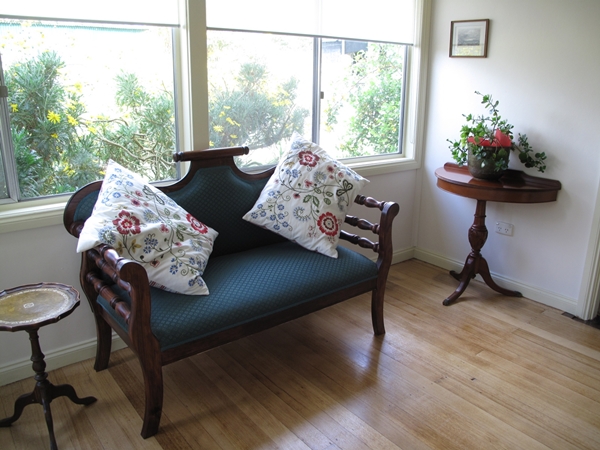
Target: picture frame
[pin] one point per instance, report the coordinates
(469, 38)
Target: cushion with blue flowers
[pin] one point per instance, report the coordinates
(307, 197)
(145, 225)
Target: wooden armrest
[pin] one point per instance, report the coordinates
(107, 264)
(127, 274)
(383, 229)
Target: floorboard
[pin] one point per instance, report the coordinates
(487, 372)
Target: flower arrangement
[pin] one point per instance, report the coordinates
(486, 141)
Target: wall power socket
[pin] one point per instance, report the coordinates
(504, 228)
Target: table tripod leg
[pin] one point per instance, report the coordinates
(464, 277)
(69, 391)
(20, 404)
(459, 275)
(484, 271)
(49, 422)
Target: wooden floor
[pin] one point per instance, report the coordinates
(488, 372)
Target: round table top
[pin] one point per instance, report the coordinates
(34, 305)
(513, 187)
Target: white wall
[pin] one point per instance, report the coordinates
(543, 64)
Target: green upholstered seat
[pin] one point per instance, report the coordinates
(249, 285)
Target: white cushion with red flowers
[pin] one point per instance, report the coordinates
(307, 197)
(145, 225)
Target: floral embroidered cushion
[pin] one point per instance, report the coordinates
(307, 197)
(145, 225)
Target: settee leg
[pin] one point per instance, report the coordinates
(153, 387)
(377, 311)
(103, 346)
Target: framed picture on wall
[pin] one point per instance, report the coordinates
(469, 38)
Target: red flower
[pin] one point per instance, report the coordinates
(127, 223)
(196, 224)
(308, 183)
(308, 158)
(328, 224)
(164, 228)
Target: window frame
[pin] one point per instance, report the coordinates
(7, 153)
(191, 92)
(317, 106)
(317, 100)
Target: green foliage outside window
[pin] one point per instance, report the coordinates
(47, 129)
(253, 113)
(60, 147)
(142, 138)
(373, 88)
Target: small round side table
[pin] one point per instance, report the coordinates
(28, 308)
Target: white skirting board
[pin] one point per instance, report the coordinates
(531, 292)
(78, 352)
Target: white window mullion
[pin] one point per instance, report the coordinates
(192, 76)
(317, 93)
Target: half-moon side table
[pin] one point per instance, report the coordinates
(513, 187)
(28, 308)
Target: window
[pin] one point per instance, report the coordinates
(80, 93)
(361, 101)
(314, 67)
(128, 84)
(344, 94)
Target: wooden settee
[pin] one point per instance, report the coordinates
(256, 278)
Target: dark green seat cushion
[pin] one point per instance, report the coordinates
(252, 284)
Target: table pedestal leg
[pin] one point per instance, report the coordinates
(476, 263)
(44, 391)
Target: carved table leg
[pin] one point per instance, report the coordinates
(476, 263)
(44, 391)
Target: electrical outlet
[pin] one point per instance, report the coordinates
(504, 228)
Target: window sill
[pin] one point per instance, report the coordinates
(32, 214)
(49, 211)
(380, 166)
